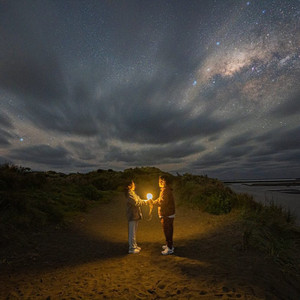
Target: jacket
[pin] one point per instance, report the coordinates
(165, 202)
(134, 203)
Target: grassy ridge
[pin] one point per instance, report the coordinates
(36, 199)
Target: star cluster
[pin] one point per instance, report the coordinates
(207, 87)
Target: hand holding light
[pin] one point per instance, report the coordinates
(149, 199)
(149, 196)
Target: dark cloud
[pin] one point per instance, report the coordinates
(287, 140)
(278, 139)
(235, 150)
(43, 154)
(288, 108)
(222, 156)
(3, 141)
(49, 101)
(5, 121)
(261, 156)
(142, 117)
(29, 67)
(155, 155)
(31, 76)
(4, 160)
(239, 140)
(85, 166)
(4, 138)
(288, 158)
(31, 70)
(82, 150)
(42, 88)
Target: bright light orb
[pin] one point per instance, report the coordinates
(149, 196)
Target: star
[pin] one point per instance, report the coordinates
(90, 77)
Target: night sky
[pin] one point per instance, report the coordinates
(206, 87)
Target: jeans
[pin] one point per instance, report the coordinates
(167, 224)
(132, 229)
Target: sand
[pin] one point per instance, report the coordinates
(90, 260)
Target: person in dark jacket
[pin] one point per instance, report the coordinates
(134, 214)
(166, 213)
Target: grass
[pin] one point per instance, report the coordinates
(205, 193)
(267, 227)
(32, 200)
(272, 230)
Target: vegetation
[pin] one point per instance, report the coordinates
(205, 193)
(269, 228)
(35, 199)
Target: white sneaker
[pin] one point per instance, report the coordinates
(168, 251)
(165, 247)
(139, 248)
(134, 251)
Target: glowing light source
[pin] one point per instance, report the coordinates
(149, 196)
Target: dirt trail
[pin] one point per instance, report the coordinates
(90, 261)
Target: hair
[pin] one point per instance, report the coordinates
(126, 185)
(166, 178)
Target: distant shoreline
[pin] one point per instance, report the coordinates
(265, 182)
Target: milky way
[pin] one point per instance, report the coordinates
(206, 87)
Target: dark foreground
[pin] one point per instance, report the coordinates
(89, 260)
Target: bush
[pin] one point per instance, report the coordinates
(218, 204)
(205, 193)
(91, 192)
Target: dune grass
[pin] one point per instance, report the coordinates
(267, 227)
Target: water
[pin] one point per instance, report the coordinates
(285, 196)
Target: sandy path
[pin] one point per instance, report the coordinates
(90, 261)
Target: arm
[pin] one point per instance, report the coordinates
(135, 200)
(159, 200)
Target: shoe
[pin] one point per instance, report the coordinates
(165, 247)
(139, 248)
(167, 251)
(134, 251)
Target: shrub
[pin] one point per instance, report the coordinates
(90, 192)
(218, 204)
(205, 193)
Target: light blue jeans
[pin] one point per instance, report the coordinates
(132, 229)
